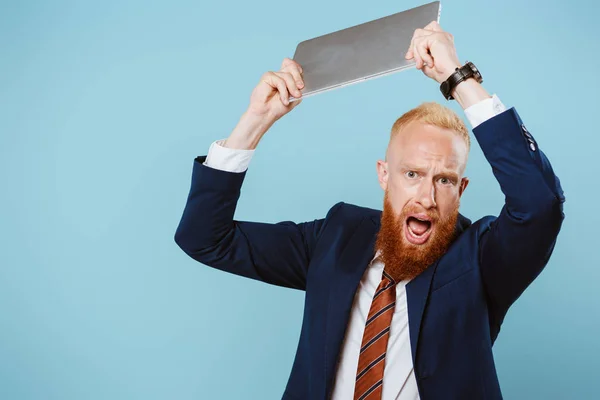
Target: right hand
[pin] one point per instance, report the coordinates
(269, 98)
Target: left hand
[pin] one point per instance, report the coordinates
(434, 52)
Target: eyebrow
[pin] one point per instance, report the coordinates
(444, 173)
(448, 174)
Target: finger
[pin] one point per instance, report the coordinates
(409, 53)
(288, 62)
(278, 83)
(417, 56)
(296, 74)
(422, 47)
(292, 87)
(434, 26)
(419, 33)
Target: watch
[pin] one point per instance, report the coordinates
(469, 70)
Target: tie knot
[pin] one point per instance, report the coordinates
(388, 277)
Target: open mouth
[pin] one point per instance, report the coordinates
(418, 228)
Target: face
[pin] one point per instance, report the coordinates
(423, 182)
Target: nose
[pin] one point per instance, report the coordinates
(426, 195)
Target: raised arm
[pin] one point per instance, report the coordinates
(273, 253)
(518, 243)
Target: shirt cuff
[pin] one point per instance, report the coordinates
(227, 159)
(480, 112)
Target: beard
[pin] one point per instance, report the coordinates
(404, 260)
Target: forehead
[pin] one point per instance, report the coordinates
(420, 143)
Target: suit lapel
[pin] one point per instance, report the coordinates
(417, 293)
(354, 259)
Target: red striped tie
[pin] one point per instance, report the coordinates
(371, 362)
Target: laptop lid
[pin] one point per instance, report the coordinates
(361, 52)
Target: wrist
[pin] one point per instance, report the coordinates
(469, 92)
(248, 132)
(447, 71)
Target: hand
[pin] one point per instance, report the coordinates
(269, 99)
(434, 52)
(268, 102)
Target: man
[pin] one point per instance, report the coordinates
(404, 303)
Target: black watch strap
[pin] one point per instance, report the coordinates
(460, 74)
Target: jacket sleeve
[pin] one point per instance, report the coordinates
(518, 244)
(277, 253)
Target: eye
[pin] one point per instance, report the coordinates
(410, 174)
(445, 181)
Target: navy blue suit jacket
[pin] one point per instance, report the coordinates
(455, 307)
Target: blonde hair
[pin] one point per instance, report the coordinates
(433, 114)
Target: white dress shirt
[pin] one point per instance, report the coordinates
(398, 356)
(399, 381)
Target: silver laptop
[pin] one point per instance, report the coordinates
(361, 52)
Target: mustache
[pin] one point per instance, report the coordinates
(409, 209)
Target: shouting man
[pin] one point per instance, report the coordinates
(407, 302)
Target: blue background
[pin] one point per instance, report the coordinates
(103, 108)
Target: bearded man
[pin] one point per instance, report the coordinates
(404, 303)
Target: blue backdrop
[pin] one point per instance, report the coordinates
(103, 107)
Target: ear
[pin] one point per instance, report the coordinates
(382, 174)
(464, 182)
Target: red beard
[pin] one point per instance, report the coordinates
(404, 260)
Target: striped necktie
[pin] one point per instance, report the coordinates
(371, 362)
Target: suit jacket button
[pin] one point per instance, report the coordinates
(532, 146)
